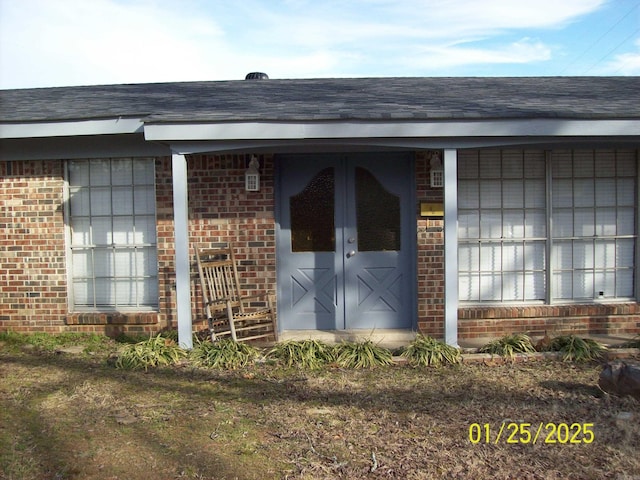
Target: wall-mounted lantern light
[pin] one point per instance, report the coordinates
(437, 172)
(252, 175)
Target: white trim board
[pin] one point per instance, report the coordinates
(72, 128)
(399, 129)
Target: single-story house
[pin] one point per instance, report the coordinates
(455, 207)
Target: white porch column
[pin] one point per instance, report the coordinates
(451, 247)
(181, 234)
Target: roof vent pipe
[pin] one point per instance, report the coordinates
(256, 76)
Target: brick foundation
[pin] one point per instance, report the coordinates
(611, 319)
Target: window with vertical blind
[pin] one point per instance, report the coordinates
(112, 234)
(505, 198)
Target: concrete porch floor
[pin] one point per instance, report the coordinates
(393, 339)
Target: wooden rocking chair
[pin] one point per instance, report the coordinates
(227, 311)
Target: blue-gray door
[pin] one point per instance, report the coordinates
(345, 242)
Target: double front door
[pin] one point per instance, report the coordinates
(345, 242)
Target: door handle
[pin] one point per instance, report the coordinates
(352, 253)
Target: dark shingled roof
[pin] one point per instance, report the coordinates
(436, 98)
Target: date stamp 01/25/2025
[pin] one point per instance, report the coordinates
(531, 433)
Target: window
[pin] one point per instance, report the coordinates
(505, 237)
(593, 244)
(502, 226)
(112, 234)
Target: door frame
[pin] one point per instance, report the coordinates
(412, 267)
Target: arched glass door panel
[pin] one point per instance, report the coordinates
(312, 215)
(377, 214)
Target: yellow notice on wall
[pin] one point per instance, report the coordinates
(431, 209)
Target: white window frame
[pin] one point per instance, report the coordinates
(113, 247)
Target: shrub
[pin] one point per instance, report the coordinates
(576, 349)
(224, 353)
(427, 351)
(156, 351)
(364, 354)
(509, 345)
(304, 354)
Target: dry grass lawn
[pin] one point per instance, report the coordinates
(74, 416)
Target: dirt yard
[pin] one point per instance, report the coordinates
(74, 416)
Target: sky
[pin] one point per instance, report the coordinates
(47, 43)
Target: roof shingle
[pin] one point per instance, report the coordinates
(436, 98)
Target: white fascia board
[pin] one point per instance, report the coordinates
(400, 129)
(71, 128)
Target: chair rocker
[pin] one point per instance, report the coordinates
(228, 312)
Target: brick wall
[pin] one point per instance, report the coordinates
(495, 321)
(32, 254)
(32, 237)
(430, 261)
(32, 246)
(221, 211)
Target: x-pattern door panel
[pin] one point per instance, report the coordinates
(314, 290)
(379, 289)
(345, 242)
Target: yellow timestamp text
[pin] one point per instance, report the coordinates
(530, 433)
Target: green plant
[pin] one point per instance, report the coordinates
(156, 351)
(363, 354)
(304, 354)
(509, 345)
(427, 351)
(576, 349)
(172, 334)
(224, 353)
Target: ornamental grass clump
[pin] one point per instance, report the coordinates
(576, 349)
(365, 354)
(509, 345)
(427, 351)
(154, 352)
(224, 354)
(310, 354)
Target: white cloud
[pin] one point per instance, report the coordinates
(100, 41)
(71, 42)
(429, 19)
(525, 50)
(625, 63)
(394, 37)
